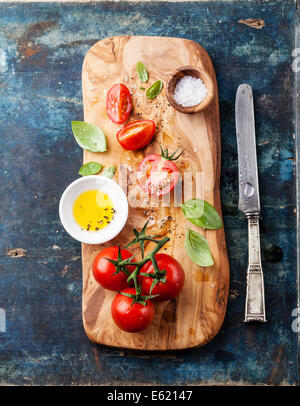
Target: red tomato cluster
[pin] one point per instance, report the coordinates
(129, 315)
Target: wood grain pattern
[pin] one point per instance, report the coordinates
(197, 314)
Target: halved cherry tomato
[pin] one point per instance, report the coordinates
(118, 103)
(174, 278)
(136, 135)
(131, 317)
(157, 174)
(104, 270)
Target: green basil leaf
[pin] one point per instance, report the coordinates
(109, 171)
(154, 90)
(142, 72)
(202, 214)
(91, 168)
(89, 136)
(198, 249)
(193, 208)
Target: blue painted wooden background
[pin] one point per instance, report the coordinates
(42, 49)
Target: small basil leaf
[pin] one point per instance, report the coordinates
(91, 168)
(109, 171)
(89, 136)
(198, 249)
(202, 214)
(154, 90)
(142, 72)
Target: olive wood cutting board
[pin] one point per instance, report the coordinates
(196, 316)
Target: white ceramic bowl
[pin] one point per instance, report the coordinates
(115, 193)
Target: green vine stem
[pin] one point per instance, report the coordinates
(170, 157)
(158, 275)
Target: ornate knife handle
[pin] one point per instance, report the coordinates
(255, 296)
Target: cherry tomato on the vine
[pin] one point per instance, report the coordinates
(104, 270)
(174, 276)
(129, 316)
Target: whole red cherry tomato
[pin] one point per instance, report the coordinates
(131, 317)
(118, 103)
(157, 174)
(136, 135)
(174, 278)
(103, 270)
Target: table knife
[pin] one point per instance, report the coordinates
(249, 202)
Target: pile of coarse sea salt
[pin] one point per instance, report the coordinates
(189, 91)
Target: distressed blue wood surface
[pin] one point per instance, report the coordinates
(42, 49)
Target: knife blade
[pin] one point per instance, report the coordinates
(245, 131)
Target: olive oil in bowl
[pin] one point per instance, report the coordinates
(93, 210)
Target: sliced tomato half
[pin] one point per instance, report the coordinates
(136, 135)
(157, 174)
(118, 103)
